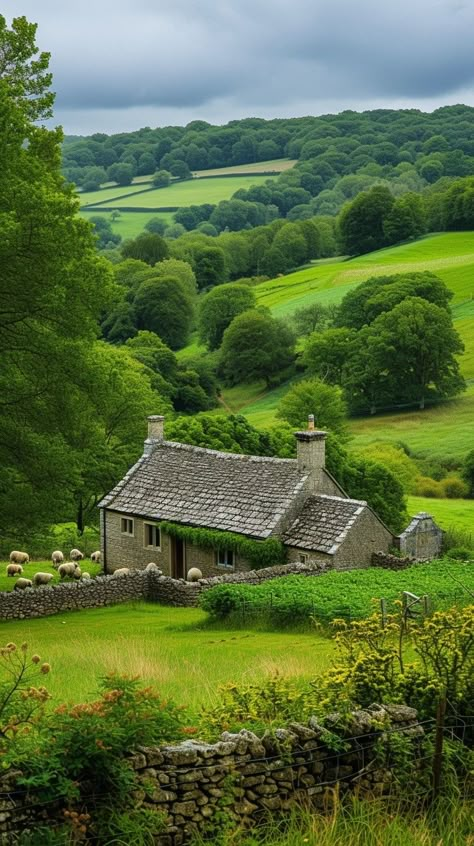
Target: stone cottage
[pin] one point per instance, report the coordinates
(294, 500)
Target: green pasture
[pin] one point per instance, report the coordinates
(91, 197)
(8, 582)
(274, 165)
(189, 192)
(170, 648)
(130, 224)
(455, 514)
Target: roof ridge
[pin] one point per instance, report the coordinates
(243, 456)
(347, 499)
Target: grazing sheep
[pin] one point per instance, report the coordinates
(67, 569)
(14, 569)
(122, 571)
(41, 578)
(57, 558)
(19, 557)
(76, 555)
(95, 557)
(154, 567)
(21, 584)
(194, 575)
(77, 573)
(85, 576)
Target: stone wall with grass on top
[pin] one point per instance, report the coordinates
(199, 787)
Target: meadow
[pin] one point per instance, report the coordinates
(8, 582)
(172, 648)
(129, 224)
(187, 193)
(451, 514)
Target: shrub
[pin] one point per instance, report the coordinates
(424, 486)
(461, 553)
(454, 488)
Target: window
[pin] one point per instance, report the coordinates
(127, 526)
(152, 536)
(225, 558)
(303, 558)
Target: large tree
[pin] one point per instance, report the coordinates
(163, 306)
(52, 289)
(218, 309)
(361, 223)
(312, 396)
(256, 346)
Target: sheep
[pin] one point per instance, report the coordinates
(85, 576)
(14, 569)
(19, 557)
(42, 579)
(67, 569)
(122, 571)
(76, 555)
(194, 575)
(95, 557)
(154, 567)
(57, 558)
(77, 573)
(21, 584)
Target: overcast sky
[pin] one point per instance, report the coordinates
(122, 64)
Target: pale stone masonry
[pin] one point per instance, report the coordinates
(294, 500)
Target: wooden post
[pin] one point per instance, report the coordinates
(438, 750)
(383, 611)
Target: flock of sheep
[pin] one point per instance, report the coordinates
(66, 569)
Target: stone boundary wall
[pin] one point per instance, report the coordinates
(391, 562)
(148, 584)
(244, 775)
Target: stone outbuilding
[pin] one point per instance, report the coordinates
(296, 501)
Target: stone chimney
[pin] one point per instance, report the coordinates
(155, 432)
(311, 454)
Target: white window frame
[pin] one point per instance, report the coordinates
(225, 554)
(157, 528)
(125, 523)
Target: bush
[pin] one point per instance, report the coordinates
(454, 488)
(424, 486)
(461, 553)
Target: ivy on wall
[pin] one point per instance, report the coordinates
(263, 553)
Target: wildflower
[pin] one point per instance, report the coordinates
(35, 659)
(24, 647)
(11, 647)
(45, 668)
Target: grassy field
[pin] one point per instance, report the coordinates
(8, 582)
(189, 192)
(130, 224)
(169, 647)
(449, 513)
(273, 165)
(90, 197)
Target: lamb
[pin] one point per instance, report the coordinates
(57, 558)
(14, 569)
(77, 573)
(19, 557)
(95, 557)
(67, 569)
(76, 555)
(122, 571)
(41, 579)
(85, 576)
(194, 574)
(22, 584)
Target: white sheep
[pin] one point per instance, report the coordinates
(67, 569)
(76, 555)
(194, 575)
(77, 573)
(14, 569)
(57, 558)
(21, 584)
(41, 578)
(95, 557)
(19, 557)
(122, 571)
(85, 576)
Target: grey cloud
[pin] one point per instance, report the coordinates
(251, 56)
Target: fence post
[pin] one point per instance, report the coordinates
(438, 750)
(383, 611)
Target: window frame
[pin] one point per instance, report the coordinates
(124, 530)
(303, 557)
(149, 525)
(226, 553)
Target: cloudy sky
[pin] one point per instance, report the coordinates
(122, 64)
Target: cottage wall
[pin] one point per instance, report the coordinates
(130, 551)
(365, 536)
(422, 539)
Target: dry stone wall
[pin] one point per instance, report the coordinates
(148, 584)
(244, 775)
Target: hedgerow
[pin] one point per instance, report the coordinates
(350, 595)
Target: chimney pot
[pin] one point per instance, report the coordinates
(155, 427)
(311, 421)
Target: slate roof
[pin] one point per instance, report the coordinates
(323, 523)
(203, 487)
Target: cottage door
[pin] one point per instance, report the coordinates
(178, 558)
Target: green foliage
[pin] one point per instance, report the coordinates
(218, 309)
(148, 247)
(163, 307)
(468, 471)
(313, 396)
(265, 553)
(394, 459)
(253, 331)
(350, 595)
(161, 179)
(361, 223)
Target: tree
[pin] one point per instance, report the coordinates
(164, 307)
(103, 230)
(218, 309)
(121, 172)
(406, 219)
(148, 247)
(155, 225)
(93, 178)
(209, 267)
(361, 222)
(312, 396)
(53, 287)
(161, 179)
(327, 353)
(226, 432)
(312, 318)
(256, 346)
(468, 471)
